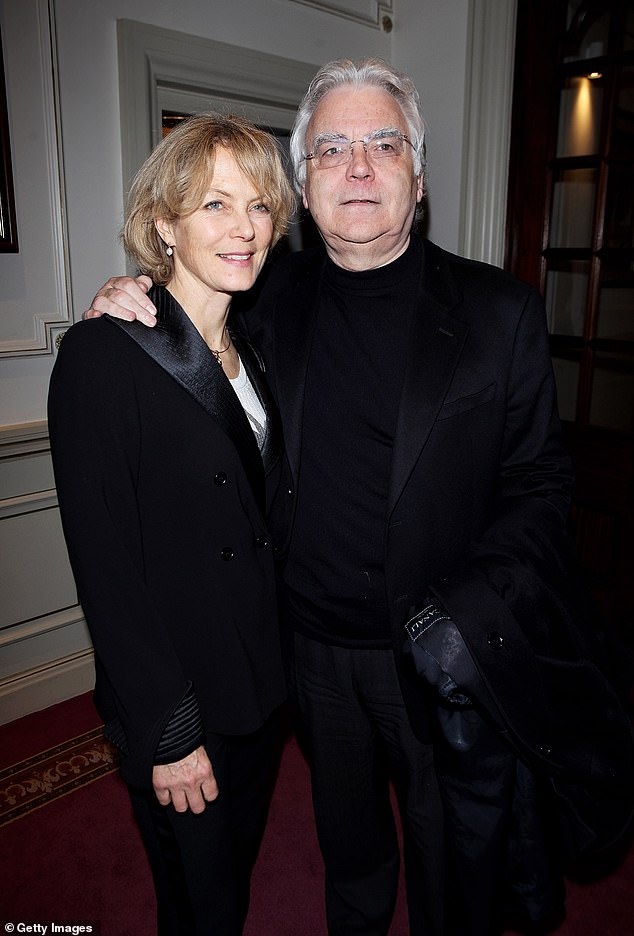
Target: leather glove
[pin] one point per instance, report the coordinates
(440, 655)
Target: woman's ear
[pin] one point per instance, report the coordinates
(165, 230)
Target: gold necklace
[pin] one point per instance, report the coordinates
(217, 354)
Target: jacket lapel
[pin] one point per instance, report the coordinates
(436, 345)
(176, 345)
(435, 349)
(291, 348)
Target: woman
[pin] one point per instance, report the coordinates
(167, 447)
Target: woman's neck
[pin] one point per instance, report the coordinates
(208, 312)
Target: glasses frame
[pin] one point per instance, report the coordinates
(383, 133)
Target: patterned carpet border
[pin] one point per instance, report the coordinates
(47, 776)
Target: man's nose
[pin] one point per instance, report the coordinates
(359, 166)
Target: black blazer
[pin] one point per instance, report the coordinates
(478, 502)
(162, 492)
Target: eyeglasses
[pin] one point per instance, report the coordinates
(330, 149)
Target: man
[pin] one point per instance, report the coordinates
(426, 475)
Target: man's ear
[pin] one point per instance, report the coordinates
(165, 230)
(304, 198)
(420, 187)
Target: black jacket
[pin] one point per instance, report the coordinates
(162, 492)
(480, 484)
(477, 514)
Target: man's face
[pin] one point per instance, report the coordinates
(363, 209)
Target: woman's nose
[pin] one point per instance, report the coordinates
(243, 225)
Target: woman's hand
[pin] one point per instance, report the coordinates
(188, 783)
(124, 298)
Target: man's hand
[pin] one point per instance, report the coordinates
(124, 298)
(187, 784)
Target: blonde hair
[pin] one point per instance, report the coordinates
(173, 180)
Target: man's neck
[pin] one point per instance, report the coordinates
(360, 257)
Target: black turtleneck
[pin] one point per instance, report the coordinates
(335, 574)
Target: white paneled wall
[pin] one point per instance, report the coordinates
(45, 652)
(63, 86)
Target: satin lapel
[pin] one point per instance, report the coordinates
(273, 442)
(434, 351)
(293, 333)
(176, 345)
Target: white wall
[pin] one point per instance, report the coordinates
(430, 45)
(44, 647)
(89, 92)
(428, 41)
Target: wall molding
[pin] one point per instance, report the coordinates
(153, 60)
(48, 657)
(24, 438)
(51, 680)
(34, 304)
(366, 12)
(27, 630)
(46, 685)
(487, 129)
(27, 503)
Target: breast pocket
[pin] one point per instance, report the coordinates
(466, 403)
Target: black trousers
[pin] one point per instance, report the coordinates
(202, 864)
(356, 733)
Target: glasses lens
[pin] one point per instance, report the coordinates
(332, 152)
(382, 145)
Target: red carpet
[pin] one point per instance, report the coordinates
(77, 856)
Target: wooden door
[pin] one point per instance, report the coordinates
(570, 232)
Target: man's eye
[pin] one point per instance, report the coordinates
(330, 151)
(384, 147)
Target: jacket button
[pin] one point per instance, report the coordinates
(290, 492)
(220, 479)
(495, 640)
(261, 542)
(545, 750)
(227, 554)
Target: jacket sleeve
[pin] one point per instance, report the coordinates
(520, 611)
(96, 438)
(523, 558)
(519, 600)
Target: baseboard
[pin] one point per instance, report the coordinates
(46, 685)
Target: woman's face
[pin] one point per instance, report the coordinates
(221, 247)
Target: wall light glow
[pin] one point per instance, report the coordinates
(581, 113)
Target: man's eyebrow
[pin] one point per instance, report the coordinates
(335, 137)
(328, 137)
(386, 131)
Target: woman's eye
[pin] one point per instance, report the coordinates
(261, 207)
(213, 205)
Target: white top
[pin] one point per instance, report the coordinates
(250, 403)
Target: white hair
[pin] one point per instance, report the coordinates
(368, 72)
